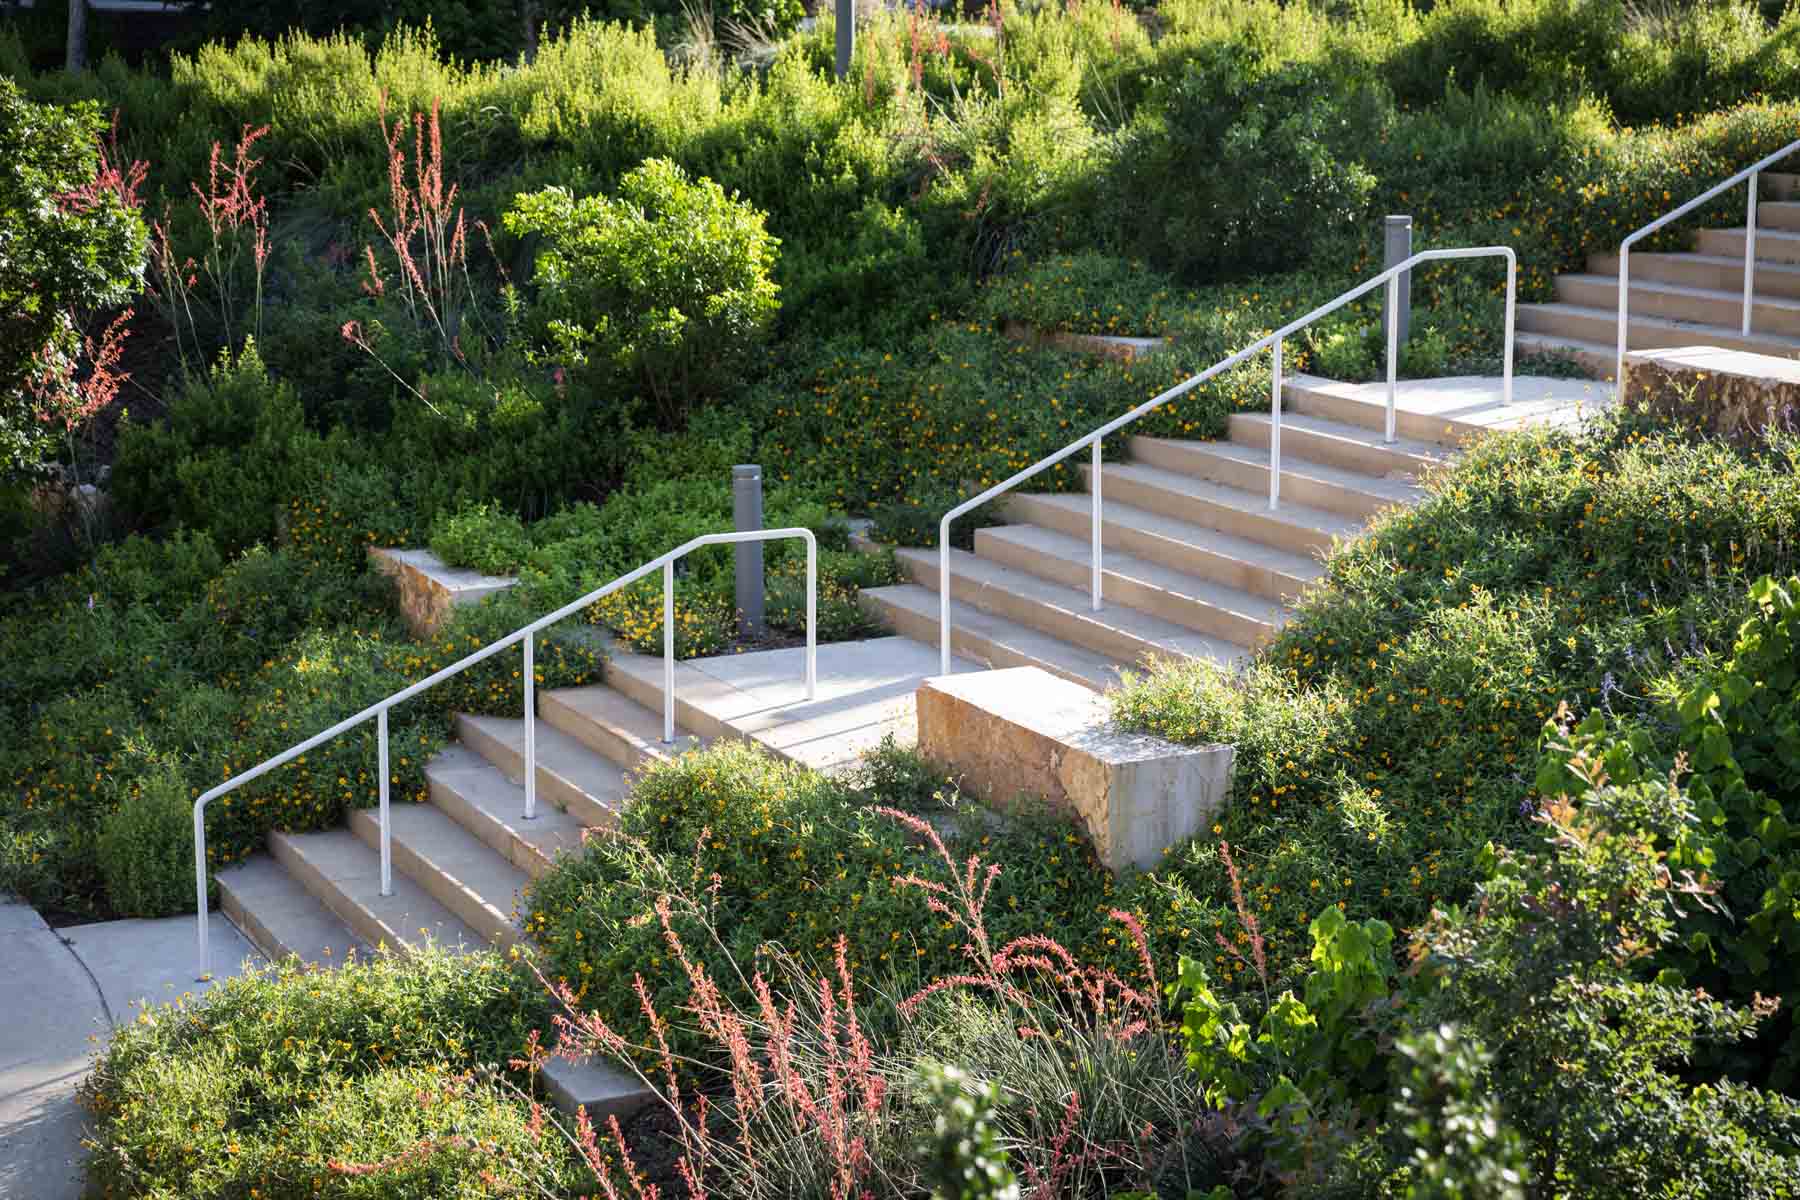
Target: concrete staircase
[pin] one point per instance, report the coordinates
(1194, 562)
(1682, 299)
(461, 860)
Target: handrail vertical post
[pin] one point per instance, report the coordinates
(1393, 353)
(669, 653)
(812, 619)
(1094, 493)
(200, 884)
(944, 595)
(1749, 254)
(1624, 309)
(387, 843)
(1275, 429)
(530, 726)
(1506, 354)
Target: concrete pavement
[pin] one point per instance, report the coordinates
(61, 992)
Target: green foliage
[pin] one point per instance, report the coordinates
(228, 454)
(274, 1082)
(146, 847)
(1460, 1147)
(1548, 967)
(669, 282)
(489, 539)
(961, 1160)
(69, 246)
(1286, 184)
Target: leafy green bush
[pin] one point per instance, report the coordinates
(486, 538)
(288, 1082)
(73, 244)
(668, 283)
(146, 847)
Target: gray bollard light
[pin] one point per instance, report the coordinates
(1397, 247)
(747, 514)
(846, 35)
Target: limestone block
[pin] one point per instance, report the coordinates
(1022, 731)
(429, 589)
(1728, 393)
(1125, 349)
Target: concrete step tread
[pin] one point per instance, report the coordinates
(1297, 467)
(280, 917)
(1070, 603)
(1020, 645)
(1662, 287)
(1051, 544)
(345, 875)
(1605, 265)
(637, 729)
(1298, 566)
(577, 772)
(1355, 434)
(488, 797)
(1696, 329)
(426, 839)
(1315, 520)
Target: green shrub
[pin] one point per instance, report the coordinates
(74, 244)
(146, 846)
(276, 1081)
(488, 539)
(669, 283)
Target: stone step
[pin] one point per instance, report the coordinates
(1593, 357)
(280, 917)
(1680, 302)
(1780, 185)
(481, 799)
(612, 724)
(1233, 562)
(459, 870)
(912, 611)
(1721, 272)
(1337, 444)
(1294, 528)
(1777, 214)
(640, 678)
(345, 876)
(1125, 636)
(1310, 395)
(569, 775)
(1227, 613)
(1600, 326)
(1772, 245)
(1348, 493)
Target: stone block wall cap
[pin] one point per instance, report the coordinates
(1719, 361)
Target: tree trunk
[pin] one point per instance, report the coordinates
(531, 11)
(77, 48)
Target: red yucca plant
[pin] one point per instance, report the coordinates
(237, 223)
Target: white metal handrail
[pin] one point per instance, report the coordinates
(1391, 277)
(526, 634)
(1748, 173)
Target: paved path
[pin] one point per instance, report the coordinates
(60, 992)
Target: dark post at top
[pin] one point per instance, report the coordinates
(1397, 248)
(846, 35)
(747, 514)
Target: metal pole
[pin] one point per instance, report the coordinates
(1094, 491)
(1624, 318)
(1512, 295)
(200, 887)
(1393, 354)
(1275, 429)
(746, 515)
(944, 595)
(387, 844)
(846, 35)
(1750, 254)
(669, 653)
(1397, 242)
(812, 619)
(530, 726)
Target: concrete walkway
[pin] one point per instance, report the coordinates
(61, 991)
